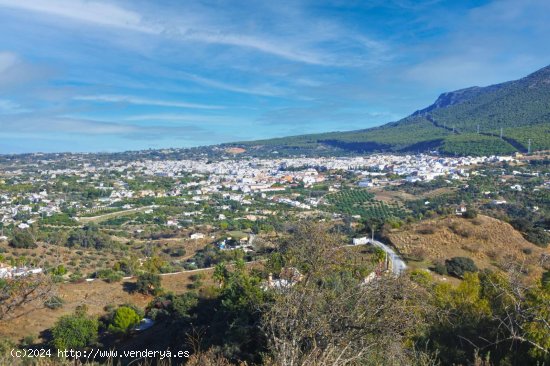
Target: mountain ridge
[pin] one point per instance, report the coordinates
(465, 121)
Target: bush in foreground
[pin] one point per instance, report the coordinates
(75, 331)
(457, 266)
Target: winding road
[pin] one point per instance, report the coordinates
(398, 265)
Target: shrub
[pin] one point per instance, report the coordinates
(521, 224)
(546, 280)
(174, 307)
(417, 254)
(440, 268)
(421, 277)
(182, 304)
(470, 214)
(27, 341)
(477, 222)
(60, 270)
(109, 276)
(74, 331)
(148, 283)
(124, 319)
(457, 266)
(538, 237)
(54, 302)
(76, 277)
(458, 230)
(22, 239)
(426, 230)
(180, 252)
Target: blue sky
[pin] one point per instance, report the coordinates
(87, 75)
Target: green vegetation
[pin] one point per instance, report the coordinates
(477, 310)
(89, 237)
(148, 283)
(539, 135)
(75, 331)
(59, 220)
(124, 319)
(54, 302)
(317, 307)
(23, 239)
(173, 308)
(109, 275)
(457, 266)
(474, 144)
(362, 203)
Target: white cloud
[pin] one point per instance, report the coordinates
(107, 98)
(95, 12)
(168, 117)
(264, 90)
(282, 48)
(7, 60)
(297, 41)
(9, 107)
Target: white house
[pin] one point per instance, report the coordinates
(360, 241)
(197, 236)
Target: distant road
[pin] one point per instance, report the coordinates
(114, 214)
(186, 271)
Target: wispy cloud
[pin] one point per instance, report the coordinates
(128, 99)
(499, 41)
(302, 44)
(111, 72)
(15, 73)
(93, 12)
(52, 125)
(168, 117)
(263, 90)
(7, 60)
(9, 107)
(280, 48)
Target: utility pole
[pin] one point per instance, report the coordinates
(529, 147)
(478, 129)
(501, 133)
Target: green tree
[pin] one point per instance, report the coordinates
(74, 331)
(148, 283)
(374, 224)
(124, 319)
(22, 239)
(182, 305)
(220, 273)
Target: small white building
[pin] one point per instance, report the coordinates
(516, 187)
(197, 236)
(360, 241)
(460, 210)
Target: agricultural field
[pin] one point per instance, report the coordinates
(361, 202)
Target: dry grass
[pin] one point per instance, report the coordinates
(33, 319)
(488, 241)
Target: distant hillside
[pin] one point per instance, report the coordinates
(520, 108)
(490, 242)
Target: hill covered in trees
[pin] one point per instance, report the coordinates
(466, 121)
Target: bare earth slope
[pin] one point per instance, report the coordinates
(491, 243)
